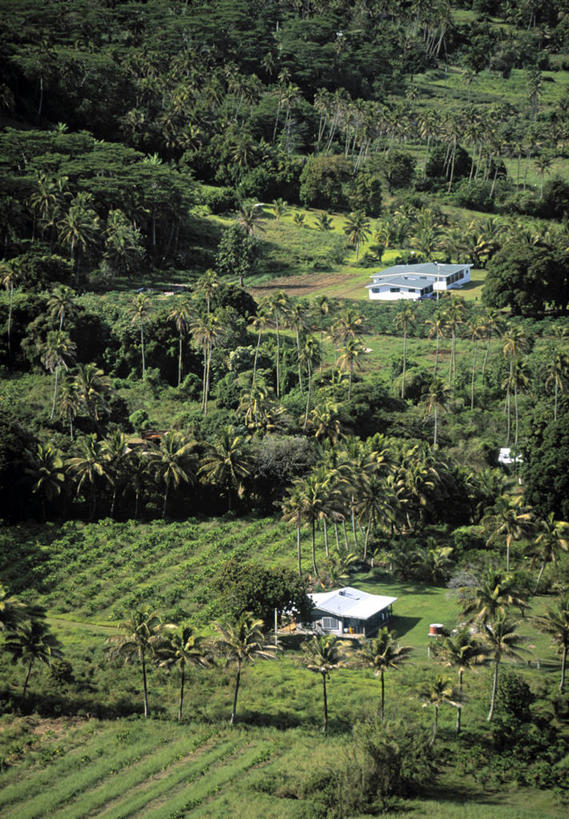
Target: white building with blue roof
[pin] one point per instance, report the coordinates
(417, 281)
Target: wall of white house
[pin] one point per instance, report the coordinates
(386, 294)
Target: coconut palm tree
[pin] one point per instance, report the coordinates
(93, 390)
(436, 327)
(552, 538)
(10, 277)
(322, 655)
(514, 344)
(278, 307)
(555, 623)
(139, 310)
(88, 466)
(324, 222)
(242, 643)
(259, 324)
(46, 469)
(61, 302)
(181, 314)
(172, 461)
(461, 651)
(297, 320)
(12, 610)
(181, 648)
(357, 229)
(435, 693)
(208, 284)
(279, 208)
(405, 319)
(207, 332)
(502, 641)
(382, 654)
(227, 464)
(350, 358)
(496, 593)
(249, 217)
(140, 635)
(79, 227)
(116, 452)
(454, 316)
(557, 372)
(309, 356)
(291, 508)
(33, 642)
(436, 400)
(59, 351)
(510, 520)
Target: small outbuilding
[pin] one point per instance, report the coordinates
(351, 611)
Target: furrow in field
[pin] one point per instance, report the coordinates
(133, 801)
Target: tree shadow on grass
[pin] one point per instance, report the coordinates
(376, 576)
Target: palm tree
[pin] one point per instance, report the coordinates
(349, 358)
(553, 537)
(249, 217)
(436, 400)
(493, 598)
(292, 508)
(139, 310)
(502, 641)
(207, 332)
(88, 466)
(555, 622)
(182, 648)
(454, 317)
(463, 652)
(116, 452)
(382, 654)
(10, 276)
(279, 208)
(59, 351)
(404, 319)
(242, 643)
(172, 462)
(208, 284)
(79, 227)
(557, 372)
(297, 320)
(436, 327)
(309, 356)
(140, 635)
(299, 219)
(12, 610)
(357, 229)
(227, 464)
(31, 643)
(317, 497)
(93, 389)
(181, 315)
(45, 467)
(61, 301)
(511, 520)
(322, 655)
(69, 401)
(514, 344)
(259, 323)
(437, 692)
(278, 307)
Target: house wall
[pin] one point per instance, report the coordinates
(386, 294)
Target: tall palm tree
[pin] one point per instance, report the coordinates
(297, 320)
(496, 593)
(242, 643)
(182, 648)
(59, 351)
(463, 652)
(139, 310)
(552, 538)
(46, 469)
(227, 464)
(436, 400)
(322, 655)
(116, 452)
(502, 641)
(259, 324)
(87, 467)
(208, 284)
(382, 654)
(435, 693)
(278, 307)
(12, 610)
(555, 623)
(317, 497)
(514, 344)
(510, 520)
(309, 356)
(60, 302)
(138, 640)
(207, 332)
(405, 319)
(436, 327)
(10, 277)
(79, 226)
(557, 373)
(93, 390)
(454, 317)
(357, 229)
(33, 642)
(350, 358)
(172, 462)
(249, 217)
(181, 314)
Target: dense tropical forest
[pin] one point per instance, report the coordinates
(203, 418)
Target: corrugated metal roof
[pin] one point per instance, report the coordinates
(410, 280)
(426, 268)
(350, 602)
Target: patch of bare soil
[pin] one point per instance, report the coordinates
(300, 285)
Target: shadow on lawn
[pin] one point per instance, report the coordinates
(377, 577)
(402, 625)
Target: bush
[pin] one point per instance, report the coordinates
(220, 200)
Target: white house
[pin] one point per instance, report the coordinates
(350, 611)
(417, 281)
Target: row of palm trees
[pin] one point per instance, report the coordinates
(489, 635)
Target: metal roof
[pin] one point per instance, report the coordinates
(350, 602)
(410, 280)
(425, 269)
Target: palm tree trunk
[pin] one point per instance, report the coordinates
(404, 363)
(507, 553)
(165, 501)
(345, 535)
(437, 355)
(539, 576)
(180, 360)
(298, 550)
(144, 685)
(382, 702)
(308, 396)
(237, 681)
(325, 728)
(181, 703)
(26, 681)
(278, 360)
(563, 667)
(54, 393)
(494, 691)
(142, 349)
(459, 710)
(256, 359)
(435, 725)
(10, 304)
(314, 567)
(325, 527)
(436, 426)
(472, 379)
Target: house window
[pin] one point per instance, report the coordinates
(394, 289)
(330, 623)
(376, 290)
